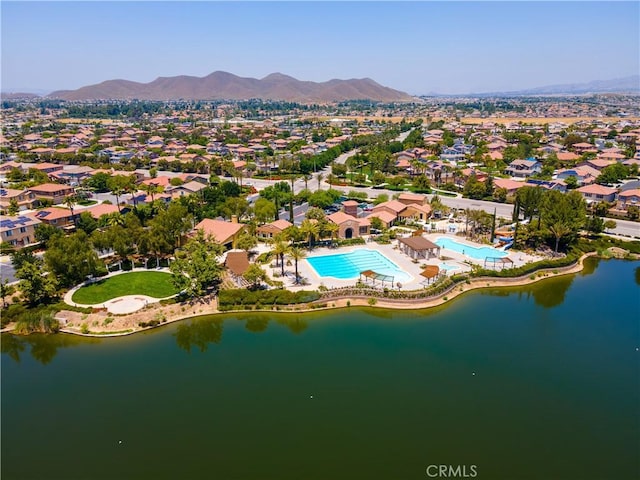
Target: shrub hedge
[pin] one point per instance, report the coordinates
(241, 298)
(529, 268)
(351, 241)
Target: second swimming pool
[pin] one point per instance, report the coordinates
(479, 253)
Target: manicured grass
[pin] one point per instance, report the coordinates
(153, 284)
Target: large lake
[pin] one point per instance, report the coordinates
(538, 382)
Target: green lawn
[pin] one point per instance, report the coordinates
(153, 284)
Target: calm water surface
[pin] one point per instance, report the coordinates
(359, 394)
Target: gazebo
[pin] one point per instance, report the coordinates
(503, 262)
(430, 272)
(418, 247)
(237, 262)
(371, 275)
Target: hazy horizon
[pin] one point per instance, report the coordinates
(415, 47)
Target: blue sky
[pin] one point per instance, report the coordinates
(417, 47)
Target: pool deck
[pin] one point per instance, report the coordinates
(312, 280)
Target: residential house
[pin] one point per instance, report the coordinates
(597, 163)
(47, 168)
(629, 198)
(524, 168)
(72, 176)
(452, 155)
(511, 186)
(468, 172)
(567, 157)
(102, 209)
(52, 192)
(184, 189)
(597, 193)
(272, 229)
(19, 231)
(116, 155)
(584, 147)
(584, 175)
(611, 156)
(221, 231)
(9, 166)
(58, 217)
(558, 185)
(24, 198)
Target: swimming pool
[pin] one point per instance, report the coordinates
(346, 266)
(479, 253)
(447, 267)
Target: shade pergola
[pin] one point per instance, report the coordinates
(430, 272)
(418, 247)
(503, 262)
(371, 275)
(237, 263)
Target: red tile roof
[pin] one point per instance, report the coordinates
(221, 231)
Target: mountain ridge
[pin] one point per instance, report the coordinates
(221, 85)
(629, 84)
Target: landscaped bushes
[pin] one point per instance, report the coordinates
(17, 311)
(240, 298)
(528, 268)
(603, 243)
(351, 241)
(367, 291)
(30, 320)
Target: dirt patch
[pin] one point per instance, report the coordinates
(617, 252)
(104, 322)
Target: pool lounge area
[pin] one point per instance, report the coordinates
(324, 267)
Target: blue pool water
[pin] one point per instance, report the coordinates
(349, 265)
(479, 253)
(444, 266)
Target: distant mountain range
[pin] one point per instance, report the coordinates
(226, 86)
(618, 85)
(277, 86)
(18, 96)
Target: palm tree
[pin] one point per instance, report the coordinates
(310, 230)
(332, 229)
(476, 218)
(297, 254)
(293, 179)
(559, 230)
(306, 179)
(331, 179)
(320, 177)
(279, 249)
(113, 219)
(152, 189)
(71, 202)
(132, 189)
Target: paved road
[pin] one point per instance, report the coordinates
(343, 158)
(627, 228)
(6, 269)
